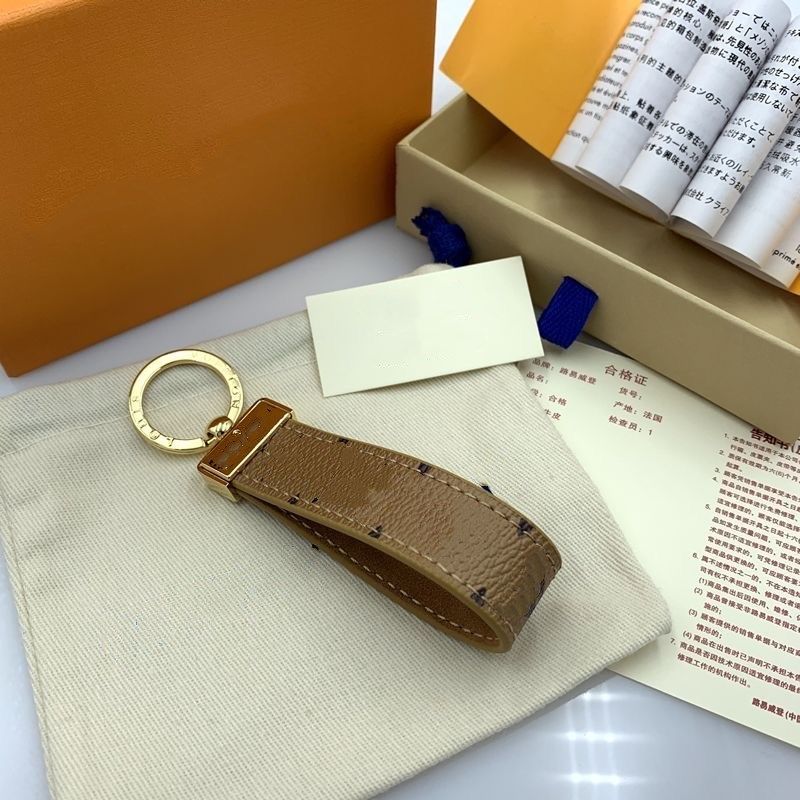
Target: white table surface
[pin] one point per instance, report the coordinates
(610, 740)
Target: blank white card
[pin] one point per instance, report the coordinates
(423, 326)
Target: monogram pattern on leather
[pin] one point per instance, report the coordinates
(523, 526)
(479, 597)
(456, 535)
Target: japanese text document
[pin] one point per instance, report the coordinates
(654, 80)
(756, 125)
(769, 206)
(695, 122)
(608, 83)
(783, 265)
(704, 104)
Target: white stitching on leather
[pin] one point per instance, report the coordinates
(385, 535)
(388, 582)
(413, 549)
(538, 542)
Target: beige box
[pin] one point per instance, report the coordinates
(664, 300)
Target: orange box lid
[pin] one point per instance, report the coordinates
(531, 63)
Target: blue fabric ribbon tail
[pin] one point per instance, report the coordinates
(566, 313)
(447, 241)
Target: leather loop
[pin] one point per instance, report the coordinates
(445, 549)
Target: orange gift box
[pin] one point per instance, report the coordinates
(153, 153)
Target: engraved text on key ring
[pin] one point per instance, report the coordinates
(216, 429)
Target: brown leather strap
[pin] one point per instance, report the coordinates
(445, 549)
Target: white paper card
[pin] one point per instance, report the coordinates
(423, 326)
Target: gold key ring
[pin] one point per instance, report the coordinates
(217, 428)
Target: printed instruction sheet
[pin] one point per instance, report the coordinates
(711, 507)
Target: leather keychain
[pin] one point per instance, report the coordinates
(443, 548)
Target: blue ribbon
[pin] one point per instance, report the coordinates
(447, 241)
(566, 313)
(568, 309)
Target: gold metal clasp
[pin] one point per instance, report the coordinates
(232, 444)
(232, 452)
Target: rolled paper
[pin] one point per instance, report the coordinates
(756, 125)
(756, 227)
(608, 83)
(704, 105)
(673, 49)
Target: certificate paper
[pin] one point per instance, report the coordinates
(711, 507)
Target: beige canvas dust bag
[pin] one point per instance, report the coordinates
(181, 646)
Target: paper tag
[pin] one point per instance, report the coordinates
(422, 326)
